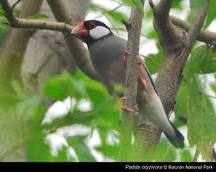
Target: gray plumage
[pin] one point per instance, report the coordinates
(107, 56)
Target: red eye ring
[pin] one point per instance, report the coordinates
(92, 25)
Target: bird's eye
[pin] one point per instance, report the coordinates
(91, 25)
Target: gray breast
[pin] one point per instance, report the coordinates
(104, 51)
(106, 55)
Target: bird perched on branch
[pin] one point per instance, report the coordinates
(108, 52)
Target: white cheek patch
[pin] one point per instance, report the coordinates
(99, 32)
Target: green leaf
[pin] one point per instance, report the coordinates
(202, 61)
(3, 30)
(39, 16)
(186, 156)
(200, 113)
(211, 13)
(81, 149)
(209, 63)
(193, 103)
(154, 61)
(108, 116)
(37, 149)
(61, 86)
(164, 152)
(195, 6)
(182, 104)
(116, 16)
(94, 7)
(110, 151)
(137, 3)
(177, 4)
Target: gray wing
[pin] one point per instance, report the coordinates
(149, 75)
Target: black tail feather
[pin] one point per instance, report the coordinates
(178, 139)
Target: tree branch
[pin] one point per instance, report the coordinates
(162, 12)
(163, 9)
(204, 36)
(81, 56)
(65, 25)
(196, 27)
(15, 4)
(75, 46)
(32, 24)
(193, 33)
(170, 73)
(134, 30)
(170, 37)
(11, 58)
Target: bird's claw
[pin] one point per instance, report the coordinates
(122, 99)
(134, 109)
(139, 60)
(126, 54)
(125, 108)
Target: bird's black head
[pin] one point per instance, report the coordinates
(91, 30)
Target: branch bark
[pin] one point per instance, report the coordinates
(162, 24)
(65, 25)
(75, 46)
(47, 53)
(176, 54)
(51, 47)
(134, 30)
(12, 134)
(32, 24)
(80, 54)
(207, 37)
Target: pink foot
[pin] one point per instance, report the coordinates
(134, 109)
(142, 81)
(126, 54)
(122, 99)
(139, 61)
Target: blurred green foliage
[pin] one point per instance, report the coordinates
(197, 106)
(103, 116)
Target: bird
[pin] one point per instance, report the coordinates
(107, 52)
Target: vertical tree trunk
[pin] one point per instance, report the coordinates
(12, 147)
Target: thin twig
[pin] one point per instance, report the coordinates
(196, 155)
(32, 24)
(207, 95)
(64, 25)
(167, 33)
(15, 4)
(204, 36)
(107, 11)
(80, 54)
(198, 23)
(12, 150)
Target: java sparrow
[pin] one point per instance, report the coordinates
(107, 51)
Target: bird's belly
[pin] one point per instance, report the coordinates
(107, 56)
(154, 111)
(113, 74)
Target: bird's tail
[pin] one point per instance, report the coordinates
(178, 139)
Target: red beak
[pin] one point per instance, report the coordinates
(80, 30)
